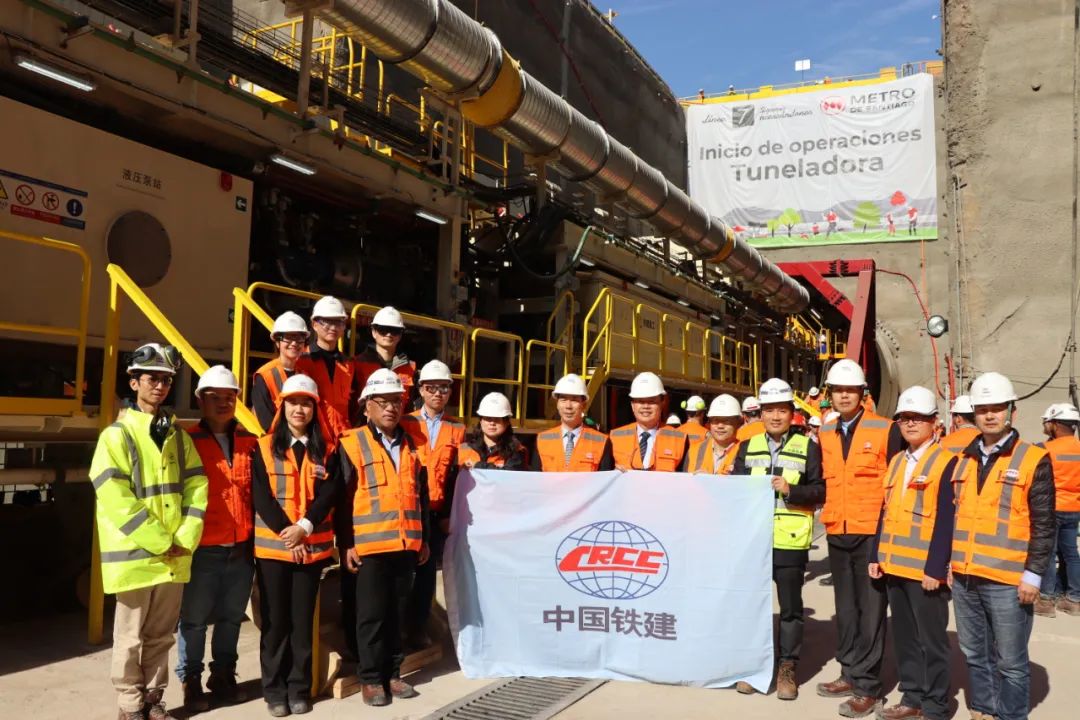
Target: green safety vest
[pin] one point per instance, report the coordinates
(148, 499)
(793, 526)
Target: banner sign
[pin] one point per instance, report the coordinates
(834, 166)
(661, 577)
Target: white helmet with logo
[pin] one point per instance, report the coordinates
(694, 404)
(1064, 412)
(300, 385)
(724, 406)
(647, 385)
(388, 317)
(775, 390)
(991, 388)
(382, 382)
(751, 404)
(571, 385)
(328, 307)
(288, 322)
(917, 399)
(962, 406)
(154, 357)
(435, 371)
(814, 391)
(845, 373)
(494, 405)
(218, 377)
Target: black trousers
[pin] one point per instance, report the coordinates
(348, 609)
(383, 583)
(418, 610)
(860, 613)
(287, 594)
(789, 584)
(921, 642)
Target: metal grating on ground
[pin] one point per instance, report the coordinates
(518, 699)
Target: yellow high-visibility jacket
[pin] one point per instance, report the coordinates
(148, 500)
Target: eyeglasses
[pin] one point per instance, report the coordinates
(436, 389)
(385, 401)
(330, 322)
(295, 339)
(914, 419)
(153, 379)
(384, 330)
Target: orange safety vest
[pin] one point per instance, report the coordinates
(294, 489)
(1065, 457)
(693, 430)
(439, 459)
(853, 487)
(749, 430)
(585, 457)
(274, 375)
(957, 441)
(386, 513)
(910, 513)
(668, 449)
(334, 397)
(993, 527)
(701, 457)
(469, 456)
(228, 516)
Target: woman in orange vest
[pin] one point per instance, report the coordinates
(715, 455)
(1059, 424)
(911, 551)
(570, 446)
(290, 335)
(492, 444)
(644, 444)
(295, 483)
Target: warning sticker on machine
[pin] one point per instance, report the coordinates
(42, 200)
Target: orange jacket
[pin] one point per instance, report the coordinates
(693, 430)
(586, 456)
(440, 460)
(993, 527)
(294, 489)
(273, 374)
(369, 361)
(854, 491)
(669, 448)
(702, 457)
(749, 430)
(387, 512)
(958, 440)
(1065, 457)
(229, 513)
(335, 397)
(910, 514)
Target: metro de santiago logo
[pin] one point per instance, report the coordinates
(832, 105)
(612, 560)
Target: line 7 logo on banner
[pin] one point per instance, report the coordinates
(568, 574)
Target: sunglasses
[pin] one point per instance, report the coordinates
(436, 389)
(912, 419)
(391, 331)
(331, 322)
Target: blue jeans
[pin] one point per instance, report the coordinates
(1067, 523)
(216, 595)
(993, 629)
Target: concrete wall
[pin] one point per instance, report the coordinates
(1010, 100)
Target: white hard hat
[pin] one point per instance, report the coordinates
(751, 404)
(219, 377)
(388, 317)
(1065, 412)
(288, 322)
(845, 373)
(647, 385)
(833, 415)
(382, 382)
(814, 391)
(962, 406)
(328, 307)
(991, 388)
(917, 399)
(435, 371)
(571, 385)
(814, 421)
(154, 357)
(300, 385)
(695, 403)
(724, 406)
(494, 405)
(674, 419)
(775, 390)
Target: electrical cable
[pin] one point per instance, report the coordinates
(926, 316)
(538, 231)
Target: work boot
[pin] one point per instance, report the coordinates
(155, 706)
(277, 709)
(224, 688)
(401, 689)
(1045, 607)
(374, 694)
(744, 688)
(786, 688)
(837, 688)
(859, 706)
(195, 700)
(128, 715)
(1069, 607)
(300, 706)
(901, 712)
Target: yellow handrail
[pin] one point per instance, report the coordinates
(34, 406)
(517, 382)
(638, 340)
(245, 308)
(549, 349)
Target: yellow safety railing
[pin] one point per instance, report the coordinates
(515, 383)
(550, 349)
(798, 332)
(689, 356)
(120, 284)
(244, 309)
(54, 406)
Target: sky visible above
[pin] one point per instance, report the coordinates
(711, 44)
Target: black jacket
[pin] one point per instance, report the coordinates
(515, 455)
(1043, 523)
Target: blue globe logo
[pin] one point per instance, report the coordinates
(612, 560)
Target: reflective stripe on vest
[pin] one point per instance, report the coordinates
(958, 440)
(793, 526)
(854, 491)
(386, 512)
(1065, 457)
(439, 459)
(702, 454)
(588, 449)
(669, 446)
(335, 396)
(1002, 505)
(910, 514)
(273, 375)
(294, 490)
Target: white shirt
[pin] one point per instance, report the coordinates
(911, 458)
(434, 422)
(986, 452)
(647, 460)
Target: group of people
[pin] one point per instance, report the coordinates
(189, 518)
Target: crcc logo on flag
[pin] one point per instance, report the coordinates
(612, 560)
